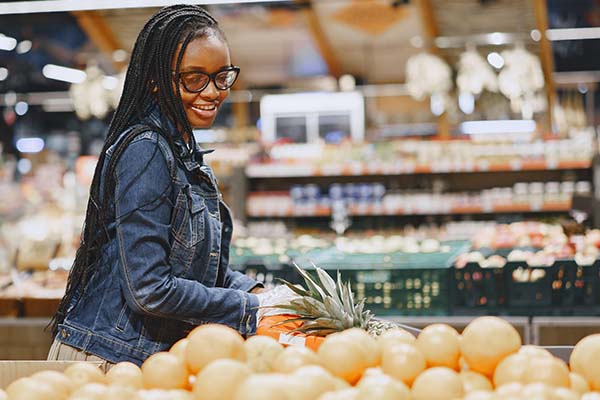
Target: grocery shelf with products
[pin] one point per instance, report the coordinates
(411, 178)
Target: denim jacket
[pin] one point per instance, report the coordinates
(165, 268)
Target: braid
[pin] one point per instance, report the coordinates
(148, 81)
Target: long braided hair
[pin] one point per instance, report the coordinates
(148, 81)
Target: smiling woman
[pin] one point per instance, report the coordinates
(153, 260)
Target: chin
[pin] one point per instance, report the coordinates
(201, 124)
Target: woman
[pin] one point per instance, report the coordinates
(153, 261)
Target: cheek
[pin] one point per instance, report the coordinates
(223, 95)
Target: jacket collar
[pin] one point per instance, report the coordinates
(192, 156)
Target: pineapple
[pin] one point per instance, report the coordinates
(327, 307)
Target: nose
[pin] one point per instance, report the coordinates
(210, 92)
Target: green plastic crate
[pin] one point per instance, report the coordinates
(394, 284)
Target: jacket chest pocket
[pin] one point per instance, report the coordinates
(188, 219)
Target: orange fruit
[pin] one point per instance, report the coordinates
(343, 356)
(565, 394)
(90, 391)
(309, 382)
(125, 374)
(370, 346)
(164, 370)
(220, 379)
(30, 389)
(474, 381)
(211, 342)
(344, 394)
(382, 387)
(261, 352)
(264, 387)
(292, 358)
(585, 360)
(179, 349)
(119, 392)
(486, 341)
(481, 395)
(395, 336)
(82, 373)
(578, 383)
(439, 343)
(403, 362)
(528, 370)
(57, 380)
(438, 383)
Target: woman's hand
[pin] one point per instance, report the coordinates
(258, 289)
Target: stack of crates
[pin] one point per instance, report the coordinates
(397, 283)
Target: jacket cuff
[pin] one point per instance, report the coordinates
(245, 283)
(249, 318)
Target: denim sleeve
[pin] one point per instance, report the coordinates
(237, 280)
(143, 216)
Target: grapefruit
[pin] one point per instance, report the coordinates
(486, 341)
(438, 383)
(164, 370)
(439, 343)
(403, 362)
(220, 379)
(125, 374)
(211, 342)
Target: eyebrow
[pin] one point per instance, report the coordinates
(195, 68)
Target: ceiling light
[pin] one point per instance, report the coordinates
(498, 38)
(416, 41)
(21, 108)
(573, 34)
(24, 46)
(3, 73)
(30, 145)
(24, 166)
(495, 60)
(119, 55)
(64, 74)
(7, 43)
(536, 35)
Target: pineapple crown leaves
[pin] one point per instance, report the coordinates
(326, 306)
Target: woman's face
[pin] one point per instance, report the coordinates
(207, 54)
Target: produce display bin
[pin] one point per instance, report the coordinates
(529, 289)
(477, 291)
(578, 287)
(397, 283)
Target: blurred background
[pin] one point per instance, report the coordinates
(441, 154)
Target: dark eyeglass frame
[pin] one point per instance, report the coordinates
(211, 77)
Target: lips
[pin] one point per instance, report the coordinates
(204, 111)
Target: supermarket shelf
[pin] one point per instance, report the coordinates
(280, 170)
(24, 321)
(557, 322)
(380, 210)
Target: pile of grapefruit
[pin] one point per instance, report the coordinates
(486, 362)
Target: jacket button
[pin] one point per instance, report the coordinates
(64, 334)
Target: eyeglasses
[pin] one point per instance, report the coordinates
(197, 81)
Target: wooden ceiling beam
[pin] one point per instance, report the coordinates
(430, 26)
(547, 59)
(95, 26)
(431, 31)
(314, 25)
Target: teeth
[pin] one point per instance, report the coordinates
(205, 108)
